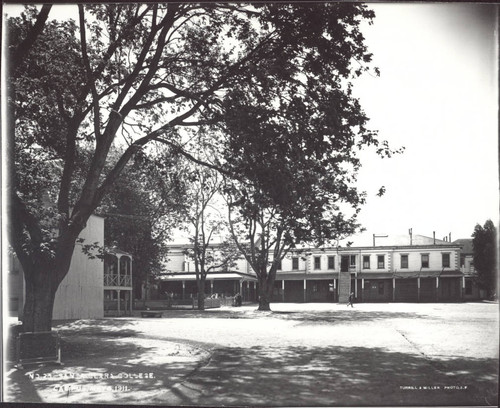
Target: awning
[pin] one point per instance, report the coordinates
(375, 275)
(210, 276)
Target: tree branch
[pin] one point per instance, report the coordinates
(90, 77)
(24, 46)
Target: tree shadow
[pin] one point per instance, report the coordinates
(351, 314)
(123, 370)
(309, 317)
(99, 369)
(338, 376)
(113, 327)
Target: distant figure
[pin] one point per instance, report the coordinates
(237, 300)
(351, 299)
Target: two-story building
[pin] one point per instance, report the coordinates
(118, 300)
(398, 269)
(390, 268)
(179, 277)
(91, 288)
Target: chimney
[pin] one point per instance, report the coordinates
(449, 237)
(434, 237)
(410, 231)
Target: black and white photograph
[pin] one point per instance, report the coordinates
(250, 204)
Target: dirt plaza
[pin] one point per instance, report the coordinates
(297, 355)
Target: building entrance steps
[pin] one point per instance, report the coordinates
(344, 286)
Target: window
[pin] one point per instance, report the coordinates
(446, 260)
(380, 261)
(462, 260)
(315, 287)
(425, 260)
(352, 261)
(404, 261)
(317, 262)
(331, 262)
(295, 263)
(366, 261)
(468, 287)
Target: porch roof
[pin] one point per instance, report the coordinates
(210, 276)
(410, 274)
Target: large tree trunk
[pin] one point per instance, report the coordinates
(201, 293)
(266, 287)
(42, 278)
(38, 305)
(41, 287)
(265, 294)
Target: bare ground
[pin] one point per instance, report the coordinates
(297, 355)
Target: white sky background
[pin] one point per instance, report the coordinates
(437, 96)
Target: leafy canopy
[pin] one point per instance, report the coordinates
(485, 246)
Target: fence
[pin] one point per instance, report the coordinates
(163, 304)
(117, 280)
(180, 303)
(111, 308)
(209, 303)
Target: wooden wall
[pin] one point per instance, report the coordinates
(81, 293)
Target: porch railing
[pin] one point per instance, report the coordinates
(115, 280)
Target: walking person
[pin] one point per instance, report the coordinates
(351, 299)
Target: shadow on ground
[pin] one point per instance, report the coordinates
(313, 317)
(99, 327)
(342, 316)
(98, 369)
(333, 376)
(130, 371)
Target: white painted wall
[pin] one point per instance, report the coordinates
(175, 260)
(81, 293)
(179, 262)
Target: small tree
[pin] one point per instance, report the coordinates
(206, 224)
(485, 247)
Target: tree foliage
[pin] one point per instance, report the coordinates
(485, 246)
(141, 211)
(293, 132)
(131, 75)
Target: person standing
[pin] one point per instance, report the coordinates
(351, 300)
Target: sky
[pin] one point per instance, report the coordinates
(436, 96)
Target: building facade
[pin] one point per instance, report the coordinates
(90, 288)
(471, 291)
(179, 278)
(118, 299)
(80, 295)
(416, 273)
(392, 269)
